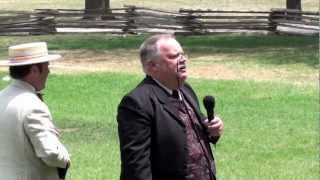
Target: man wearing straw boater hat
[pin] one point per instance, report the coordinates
(30, 145)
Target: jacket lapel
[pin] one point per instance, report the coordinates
(169, 104)
(171, 108)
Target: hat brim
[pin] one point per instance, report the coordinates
(50, 57)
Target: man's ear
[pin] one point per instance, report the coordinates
(34, 69)
(151, 66)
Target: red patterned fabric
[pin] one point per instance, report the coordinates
(198, 162)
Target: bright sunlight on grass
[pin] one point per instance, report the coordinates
(270, 128)
(270, 124)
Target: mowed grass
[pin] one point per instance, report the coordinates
(271, 129)
(267, 51)
(172, 5)
(284, 58)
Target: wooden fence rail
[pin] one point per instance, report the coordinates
(132, 19)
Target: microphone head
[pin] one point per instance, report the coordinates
(209, 102)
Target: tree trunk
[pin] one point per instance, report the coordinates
(107, 6)
(294, 4)
(95, 8)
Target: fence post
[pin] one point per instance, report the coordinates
(130, 24)
(46, 21)
(191, 24)
(49, 25)
(272, 23)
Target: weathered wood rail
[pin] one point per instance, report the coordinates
(25, 23)
(304, 20)
(136, 20)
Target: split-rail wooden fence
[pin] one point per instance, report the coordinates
(136, 20)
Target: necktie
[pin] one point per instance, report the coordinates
(175, 94)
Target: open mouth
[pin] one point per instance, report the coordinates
(182, 68)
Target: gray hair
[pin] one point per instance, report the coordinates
(149, 49)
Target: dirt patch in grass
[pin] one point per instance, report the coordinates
(84, 61)
(208, 67)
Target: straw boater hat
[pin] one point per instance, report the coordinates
(29, 53)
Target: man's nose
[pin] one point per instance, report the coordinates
(183, 58)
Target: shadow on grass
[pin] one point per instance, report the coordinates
(305, 56)
(269, 49)
(247, 42)
(275, 50)
(268, 56)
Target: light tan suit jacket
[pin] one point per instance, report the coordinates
(30, 148)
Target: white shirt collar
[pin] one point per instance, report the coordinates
(167, 89)
(24, 84)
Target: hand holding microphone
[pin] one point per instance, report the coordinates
(214, 124)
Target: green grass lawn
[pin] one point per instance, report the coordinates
(270, 128)
(295, 52)
(284, 58)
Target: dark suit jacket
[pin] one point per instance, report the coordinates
(152, 136)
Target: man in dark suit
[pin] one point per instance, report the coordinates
(163, 135)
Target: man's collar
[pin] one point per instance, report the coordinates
(21, 83)
(168, 90)
(163, 86)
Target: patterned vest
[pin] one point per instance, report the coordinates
(198, 159)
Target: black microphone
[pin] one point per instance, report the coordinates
(209, 103)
